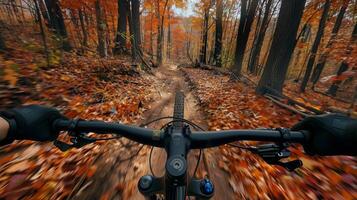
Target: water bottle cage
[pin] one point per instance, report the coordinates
(78, 139)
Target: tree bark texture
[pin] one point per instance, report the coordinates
(219, 31)
(121, 35)
(102, 45)
(245, 24)
(282, 47)
(315, 46)
(56, 22)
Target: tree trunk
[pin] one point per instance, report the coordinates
(131, 31)
(158, 43)
(169, 34)
(218, 40)
(322, 61)
(230, 47)
(74, 19)
(203, 53)
(246, 21)
(56, 22)
(2, 40)
(334, 87)
(102, 45)
(158, 40)
(254, 58)
(282, 47)
(151, 36)
(83, 28)
(120, 39)
(107, 29)
(160, 30)
(255, 36)
(315, 46)
(43, 34)
(135, 11)
(344, 65)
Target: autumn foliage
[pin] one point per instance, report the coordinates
(251, 177)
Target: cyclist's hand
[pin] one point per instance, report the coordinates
(32, 123)
(330, 134)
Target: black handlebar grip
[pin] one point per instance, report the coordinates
(307, 136)
(61, 124)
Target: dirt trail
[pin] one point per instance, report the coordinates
(169, 80)
(118, 176)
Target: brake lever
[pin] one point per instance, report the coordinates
(273, 153)
(78, 140)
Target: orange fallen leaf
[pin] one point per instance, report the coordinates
(91, 171)
(18, 167)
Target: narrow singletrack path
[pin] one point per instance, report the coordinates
(118, 175)
(170, 79)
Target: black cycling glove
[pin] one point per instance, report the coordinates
(330, 134)
(31, 123)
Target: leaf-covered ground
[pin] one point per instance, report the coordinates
(82, 87)
(234, 105)
(114, 90)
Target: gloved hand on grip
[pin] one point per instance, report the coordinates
(31, 123)
(330, 134)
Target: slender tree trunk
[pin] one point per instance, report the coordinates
(169, 34)
(135, 11)
(315, 46)
(247, 18)
(336, 84)
(83, 28)
(75, 22)
(344, 65)
(56, 22)
(254, 58)
(322, 60)
(2, 42)
(2, 39)
(203, 52)
(151, 36)
(230, 47)
(160, 30)
(120, 38)
(132, 32)
(282, 47)
(87, 18)
(43, 34)
(258, 27)
(218, 39)
(107, 29)
(158, 40)
(188, 47)
(102, 45)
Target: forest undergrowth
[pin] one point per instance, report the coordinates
(234, 105)
(81, 87)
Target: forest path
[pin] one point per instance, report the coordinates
(170, 79)
(117, 176)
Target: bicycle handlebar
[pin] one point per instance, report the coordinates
(198, 140)
(209, 139)
(141, 135)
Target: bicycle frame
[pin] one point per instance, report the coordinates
(174, 183)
